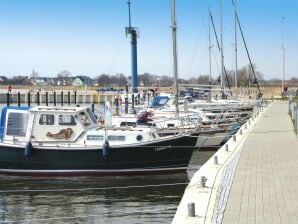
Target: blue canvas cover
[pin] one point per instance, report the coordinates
(3, 117)
(159, 101)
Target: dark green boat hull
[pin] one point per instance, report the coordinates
(167, 156)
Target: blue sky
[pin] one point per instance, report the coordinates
(87, 37)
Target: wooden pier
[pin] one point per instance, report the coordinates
(51, 97)
(255, 179)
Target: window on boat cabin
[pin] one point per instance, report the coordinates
(46, 119)
(66, 119)
(116, 138)
(94, 137)
(128, 123)
(17, 124)
(84, 119)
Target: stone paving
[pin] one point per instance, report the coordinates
(265, 185)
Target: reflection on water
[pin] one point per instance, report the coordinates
(112, 203)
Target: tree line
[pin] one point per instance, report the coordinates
(245, 78)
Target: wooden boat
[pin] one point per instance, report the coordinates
(69, 141)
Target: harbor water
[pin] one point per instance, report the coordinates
(122, 199)
(134, 199)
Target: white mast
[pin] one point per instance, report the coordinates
(209, 36)
(175, 66)
(236, 56)
(221, 49)
(283, 56)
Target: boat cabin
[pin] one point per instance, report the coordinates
(66, 126)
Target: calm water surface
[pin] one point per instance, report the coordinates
(111, 203)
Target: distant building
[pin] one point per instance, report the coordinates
(82, 80)
(3, 80)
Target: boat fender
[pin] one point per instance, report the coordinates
(105, 149)
(28, 150)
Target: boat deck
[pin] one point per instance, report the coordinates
(254, 181)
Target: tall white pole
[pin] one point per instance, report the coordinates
(175, 66)
(221, 48)
(283, 56)
(236, 56)
(209, 36)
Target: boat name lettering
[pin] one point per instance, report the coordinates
(161, 148)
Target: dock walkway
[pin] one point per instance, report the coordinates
(253, 178)
(265, 185)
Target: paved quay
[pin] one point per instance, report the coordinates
(265, 185)
(254, 177)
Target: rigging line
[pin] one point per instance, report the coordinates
(92, 188)
(217, 41)
(248, 55)
(116, 55)
(206, 33)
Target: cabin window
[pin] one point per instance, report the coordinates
(46, 119)
(171, 125)
(17, 124)
(94, 137)
(66, 119)
(84, 118)
(124, 124)
(116, 138)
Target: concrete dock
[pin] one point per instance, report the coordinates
(254, 181)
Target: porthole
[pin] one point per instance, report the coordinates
(139, 137)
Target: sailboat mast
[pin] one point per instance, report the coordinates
(221, 49)
(283, 56)
(236, 56)
(209, 36)
(175, 66)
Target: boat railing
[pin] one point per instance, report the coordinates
(181, 125)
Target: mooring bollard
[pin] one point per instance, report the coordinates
(92, 108)
(191, 209)
(148, 98)
(54, 98)
(245, 126)
(203, 181)
(126, 105)
(75, 97)
(234, 138)
(19, 99)
(7, 99)
(62, 98)
(68, 97)
(47, 99)
(117, 106)
(29, 99)
(215, 160)
(227, 147)
(240, 131)
(38, 98)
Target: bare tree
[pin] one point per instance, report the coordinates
(64, 74)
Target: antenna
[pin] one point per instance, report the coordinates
(283, 53)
